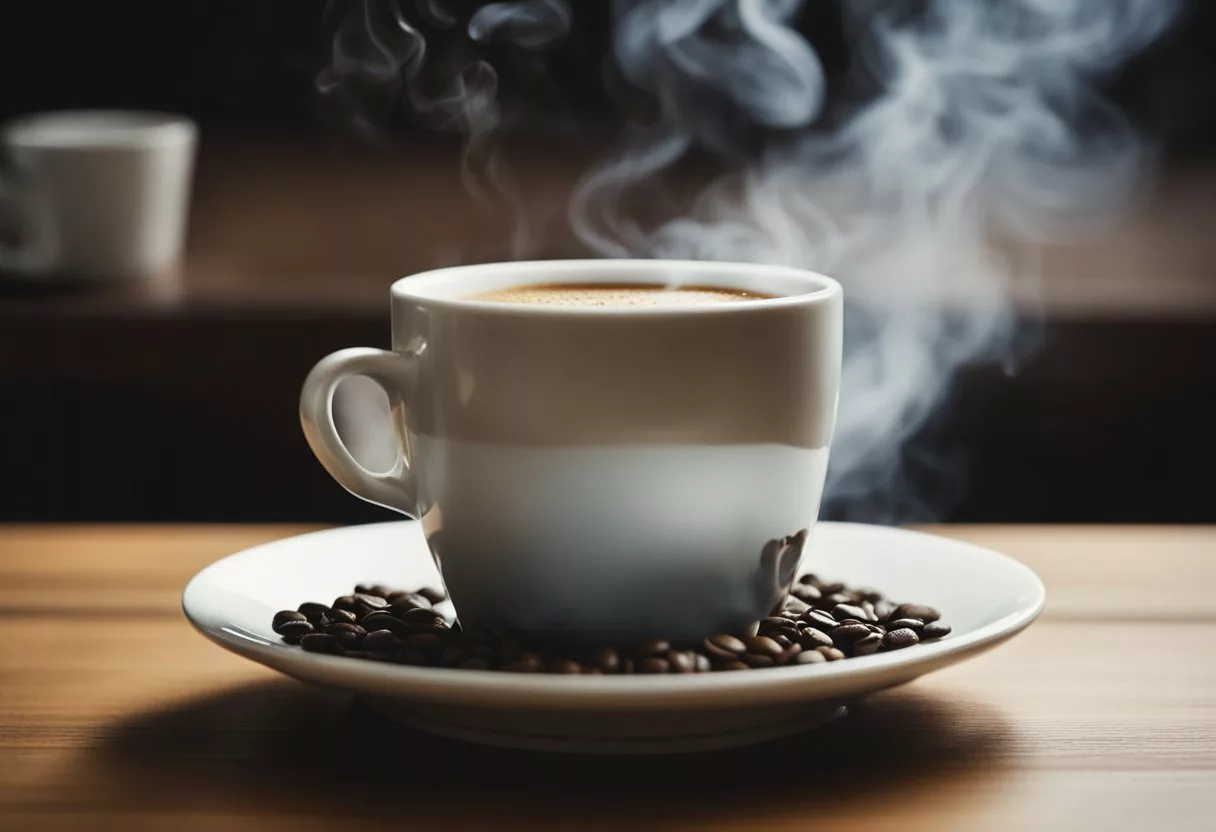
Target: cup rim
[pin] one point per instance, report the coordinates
(812, 288)
(100, 129)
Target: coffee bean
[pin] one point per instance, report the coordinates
(347, 634)
(346, 602)
(763, 646)
(312, 610)
(898, 639)
(381, 641)
(820, 620)
(805, 593)
(846, 634)
(809, 657)
(788, 654)
(828, 602)
(382, 620)
(424, 641)
(373, 589)
(811, 638)
(682, 661)
(758, 659)
(773, 623)
(378, 623)
(843, 611)
(419, 619)
(432, 594)
(652, 664)
(452, 655)
(321, 643)
(410, 601)
(867, 645)
(412, 655)
(606, 659)
(339, 617)
(724, 646)
(293, 631)
(287, 617)
(526, 663)
(934, 629)
(924, 613)
(651, 647)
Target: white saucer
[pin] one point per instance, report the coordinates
(985, 596)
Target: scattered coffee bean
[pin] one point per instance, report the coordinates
(846, 634)
(868, 645)
(810, 638)
(321, 643)
(652, 647)
(759, 660)
(287, 617)
(924, 613)
(724, 646)
(605, 659)
(788, 654)
(410, 601)
(381, 641)
(843, 611)
(526, 663)
(818, 622)
(898, 639)
(652, 664)
(763, 646)
(293, 631)
(682, 661)
(934, 629)
(312, 610)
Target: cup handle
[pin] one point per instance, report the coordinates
(395, 374)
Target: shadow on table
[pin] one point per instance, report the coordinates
(283, 747)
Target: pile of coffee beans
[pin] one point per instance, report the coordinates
(819, 622)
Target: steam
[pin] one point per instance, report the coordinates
(985, 133)
(986, 126)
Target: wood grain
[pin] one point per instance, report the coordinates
(114, 714)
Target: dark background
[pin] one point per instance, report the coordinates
(132, 407)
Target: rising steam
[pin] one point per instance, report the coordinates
(985, 124)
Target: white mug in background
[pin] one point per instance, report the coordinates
(596, 473)
(96, 194)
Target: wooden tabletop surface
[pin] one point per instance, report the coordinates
(115, 714)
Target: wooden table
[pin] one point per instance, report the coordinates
(114, 714)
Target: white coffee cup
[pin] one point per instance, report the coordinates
(97, 193)
(602, 473)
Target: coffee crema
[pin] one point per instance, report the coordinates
(617, 295)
